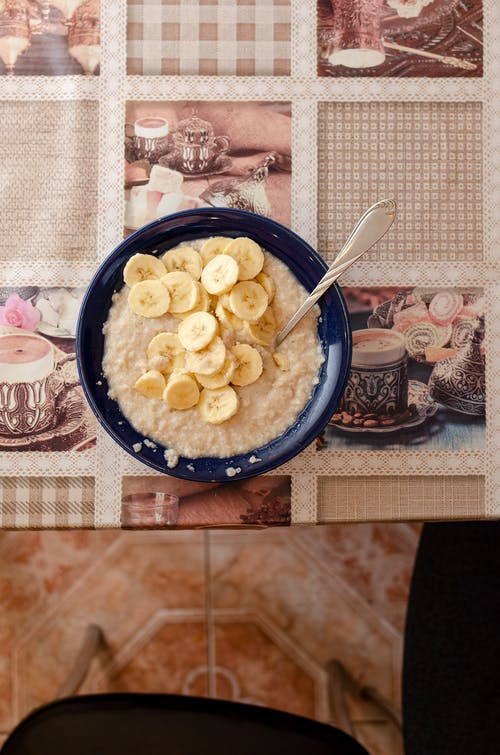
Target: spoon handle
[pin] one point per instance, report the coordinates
(369, 229)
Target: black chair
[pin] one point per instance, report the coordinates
(143, 724)
(451, 668)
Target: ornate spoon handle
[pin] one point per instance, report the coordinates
(369, 229)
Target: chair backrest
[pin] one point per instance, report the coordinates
(142, 724)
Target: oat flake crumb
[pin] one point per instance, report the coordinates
(149, 443)
(137, 447)
(232, 471)
(254, 459)
(171, 457)
(190, 467)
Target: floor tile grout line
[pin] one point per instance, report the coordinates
(34, 625)
(317, 561)
(211, 659)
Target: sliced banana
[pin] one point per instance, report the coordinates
(213, 246)
(267, 284)
(248, 300)
(167, 367)
(264, 330)
(149, 298)
(220, 274)
(184, 293)
(142, 267)
(197, 330)
(165, 352)
(183, 258)
(248, 364)
(248, 255)
(218, 405)
(227, 319)
(221, 378)
(224, 300)
(203, 305)
(221, 289)
(181, 391)
(151, 384)
(281, 361)
(207, 361)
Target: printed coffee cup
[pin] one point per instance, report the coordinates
(378, 379)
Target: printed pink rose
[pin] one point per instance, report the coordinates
(19, 313)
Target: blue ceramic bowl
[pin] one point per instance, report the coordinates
(307, 266)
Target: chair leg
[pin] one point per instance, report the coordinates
(93, 641)
(374, 696)
(340, 681)
(337, 684)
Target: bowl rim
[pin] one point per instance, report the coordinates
(261, 466)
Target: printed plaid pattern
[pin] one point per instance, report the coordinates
(209, 37)
(46, 502)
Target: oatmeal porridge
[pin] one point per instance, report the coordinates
(189, 353)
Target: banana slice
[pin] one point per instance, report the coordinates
(165, 353)
(220, 274)
(224, 300)
(248, 255)
(203, 305)
(248, 364)
(151, 384)
(207, 361)
(184, 293)
(183, 258)
(227, 319)
(217, 406)
(142, 267)
(248, 300)
(267, 284)
(181, 391)
(196, 331)
(221, 378)
(213, 246)
(264, 330)
(149, 298)
(281, 361)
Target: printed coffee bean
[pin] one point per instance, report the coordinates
(370, 423)
(371, 416)
(357, 421)
(357, 415)
(347, 419)
(388, 422)
(336, 417)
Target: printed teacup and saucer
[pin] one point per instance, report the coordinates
(196, 150)
(37, 399)
(378, 397)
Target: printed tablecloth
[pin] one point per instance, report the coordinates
(87, 95)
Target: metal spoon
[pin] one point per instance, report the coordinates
(369, 229)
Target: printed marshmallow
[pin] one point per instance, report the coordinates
(165, 180)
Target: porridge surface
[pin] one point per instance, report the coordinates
(267, 407)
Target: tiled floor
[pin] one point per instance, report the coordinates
(249, 616)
